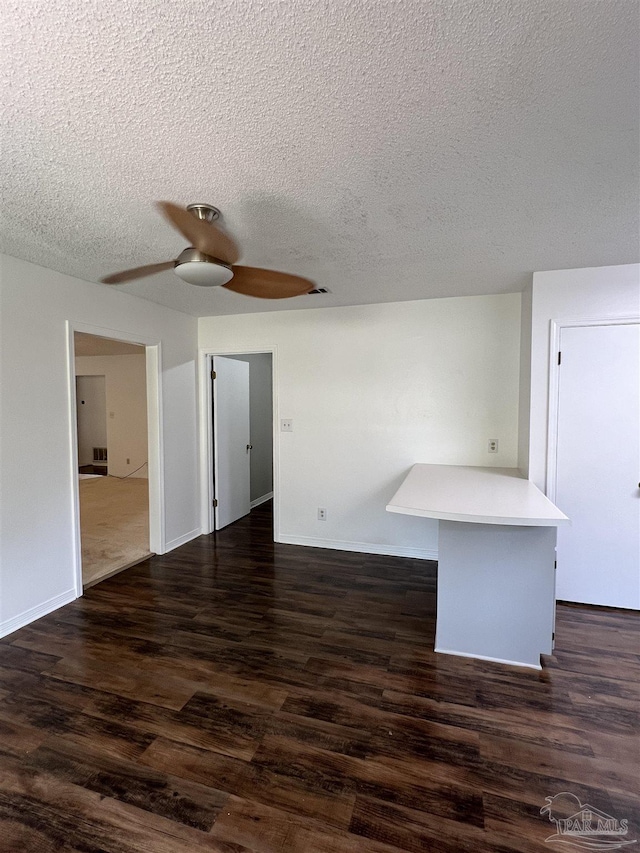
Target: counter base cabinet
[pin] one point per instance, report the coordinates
(496, 592)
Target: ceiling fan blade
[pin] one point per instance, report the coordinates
(137, 272)
(203, 236)
(267, 284)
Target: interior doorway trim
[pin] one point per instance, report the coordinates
(153, 352)
(554, 387)
(206, 433)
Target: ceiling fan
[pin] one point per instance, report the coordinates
(210, 261)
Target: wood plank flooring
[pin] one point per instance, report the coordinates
(241, 696)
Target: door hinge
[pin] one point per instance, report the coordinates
(213, 374)
(215, 502)
(559, 357)
(555, 564)
(553, 636)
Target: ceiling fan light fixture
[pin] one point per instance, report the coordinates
(197, 268)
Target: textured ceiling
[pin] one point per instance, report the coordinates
(388, 149)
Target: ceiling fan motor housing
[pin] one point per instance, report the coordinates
(197, 268)
(204, 211)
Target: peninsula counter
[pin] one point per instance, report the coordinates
(496, 559)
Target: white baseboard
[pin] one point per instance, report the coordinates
(182, 540)
(261, 500)
(28, 616)
(361, 547)
(486, 657)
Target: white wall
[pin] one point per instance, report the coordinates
(525, 381)
(371, 390)
(37, 545)
(591, 293)
(261, 418)
(126, 421)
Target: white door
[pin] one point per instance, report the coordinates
(231, 443)
(598, 465)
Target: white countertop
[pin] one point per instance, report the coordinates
(480, 495)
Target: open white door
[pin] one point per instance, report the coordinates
(598, 465)
(231, 440)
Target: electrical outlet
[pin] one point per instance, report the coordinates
(286, 425)
(492, 445)
(322, 514)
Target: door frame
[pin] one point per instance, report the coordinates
(556, 328)
(205, 361)
(155, 458)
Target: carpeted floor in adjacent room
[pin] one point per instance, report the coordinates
(114, 520)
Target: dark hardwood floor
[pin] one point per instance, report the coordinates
(246, 697)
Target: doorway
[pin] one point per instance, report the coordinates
(242, 436)
(594, 461)
(91, 422)
(113, 454)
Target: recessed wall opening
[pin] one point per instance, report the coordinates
(113, 455)
(241, 448)
(91, 422)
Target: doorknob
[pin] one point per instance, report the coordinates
(249, 447)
